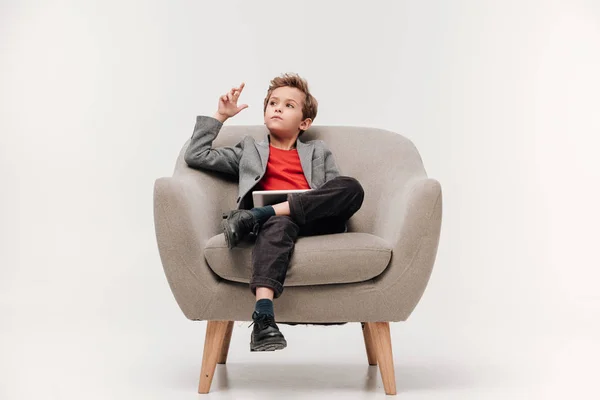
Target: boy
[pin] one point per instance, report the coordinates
(280, 161)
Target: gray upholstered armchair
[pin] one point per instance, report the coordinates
(373, 274)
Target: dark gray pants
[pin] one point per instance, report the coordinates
(321, 211)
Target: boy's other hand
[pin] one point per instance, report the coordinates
(228, 104)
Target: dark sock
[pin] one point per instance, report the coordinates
(264, 306)
(263, 213)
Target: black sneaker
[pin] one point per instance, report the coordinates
(237, 224)
(265, 335)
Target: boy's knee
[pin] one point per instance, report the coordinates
(353, 184)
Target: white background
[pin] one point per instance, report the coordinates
(500, 98)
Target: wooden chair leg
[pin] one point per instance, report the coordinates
(369, 344)
(226, 341)
(213, 344)
(380, 332)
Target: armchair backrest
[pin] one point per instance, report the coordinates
(382, 161)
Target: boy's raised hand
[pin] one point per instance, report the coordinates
(228, 104)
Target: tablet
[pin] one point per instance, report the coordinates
(263, 198)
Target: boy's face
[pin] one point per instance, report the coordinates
(283, 115)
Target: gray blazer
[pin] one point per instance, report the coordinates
(248, 159)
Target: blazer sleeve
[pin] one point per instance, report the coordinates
(331, 168)
(201, 155)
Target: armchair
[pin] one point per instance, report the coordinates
(376, 272)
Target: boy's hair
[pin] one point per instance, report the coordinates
(309, 108)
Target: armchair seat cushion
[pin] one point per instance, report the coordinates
(316, 260)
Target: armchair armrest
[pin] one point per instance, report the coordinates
(411, 224)
(186, 215)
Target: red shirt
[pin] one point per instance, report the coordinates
(284, 171)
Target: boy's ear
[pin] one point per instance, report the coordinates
(304, 125)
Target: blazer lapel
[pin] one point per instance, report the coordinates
(305, 152)
(263, 150)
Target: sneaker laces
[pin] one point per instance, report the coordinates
(253, 226)
(264, 320)
(255, 229)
